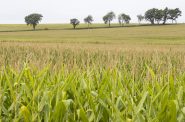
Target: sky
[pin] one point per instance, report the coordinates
(61, 11)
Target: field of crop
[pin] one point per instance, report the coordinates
(169, 34)
(132, 74)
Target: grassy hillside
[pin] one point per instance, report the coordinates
(169, 34)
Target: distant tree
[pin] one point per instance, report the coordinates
(33, 19)
(88, 20)
(165, 15)
(150, 15)
(123, 18)
(74, 22)
(159, 15)
(109, 17)
(120, 19)
(140, 18)
(127, 19)
(174, 14)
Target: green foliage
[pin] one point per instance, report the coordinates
(88, 20)
(173, 14)
(33, 19)
(140, 18)
(74, 22)
(150, 15)
(123, 18)
(157, 15)
(109, 17)
(135, 89)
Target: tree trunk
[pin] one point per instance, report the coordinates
(120, 23)
(152, 22)
(34, 27)
(164, 22)
(109, 24)
(74, 26)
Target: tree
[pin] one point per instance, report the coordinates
(88, 20)
(174, 14)
(159, 15)
(123, 18)
(109, 17)
(120, 19)
(150, 15)
(165, 15)
(74, 22)
(140, 18)
(33, 19)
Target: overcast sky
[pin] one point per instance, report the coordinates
(60, 11)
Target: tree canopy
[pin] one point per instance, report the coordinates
(123, 18)
(158, 15)
(74, 22)
(173, 14)
(109, 17)
(150, 15)
(140, 18)
(88, 20)
(33, 19)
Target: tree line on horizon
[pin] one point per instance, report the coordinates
(153, 15)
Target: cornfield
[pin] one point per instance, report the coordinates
(56, 83)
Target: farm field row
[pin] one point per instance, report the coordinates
(168, 34)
